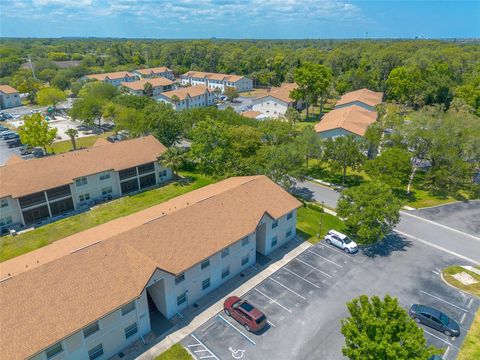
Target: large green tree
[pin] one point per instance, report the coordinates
(36, 132)
(161, 120)
(343, 152)
(370, 210)
(392, 167)
(381, 329)
(50, 96)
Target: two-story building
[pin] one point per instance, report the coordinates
(158, 85)
(364, 98)
(113, 78)
(150, 73)
(98, 291)
(36, 190)
(275, 101)
(9, 97)
(188, 97)
(217, 81)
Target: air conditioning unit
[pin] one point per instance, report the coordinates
(13, 232)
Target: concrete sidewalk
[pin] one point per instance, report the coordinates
(193, 321)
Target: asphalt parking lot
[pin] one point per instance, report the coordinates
(305, 300)
(240, 104)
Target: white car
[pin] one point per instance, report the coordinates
(341, 241)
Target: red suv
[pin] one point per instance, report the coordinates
(245, 313)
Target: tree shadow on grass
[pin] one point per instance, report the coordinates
(392, 243)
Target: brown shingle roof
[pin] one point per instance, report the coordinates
(213, 76)
(252, 114)
(282, 93)
(111, 76)
(71, 290)
(7, 89)
(365, 96)
(351, 118)
(191, 91)
(139, 85)
(16, 179)
(155, 70)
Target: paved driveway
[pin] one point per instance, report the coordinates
(241, 104)
(305, 301)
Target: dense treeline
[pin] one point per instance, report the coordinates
(416, 72)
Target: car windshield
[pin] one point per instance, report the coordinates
(347, 240)
(261, 319)
(247, 307)
(444, 319)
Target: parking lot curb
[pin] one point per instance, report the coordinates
(454, 287)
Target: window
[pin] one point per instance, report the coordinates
(91, 329)
(181, 298)
(84, 197)
(289, 233)
(245, 241)
(225, 271)
(274, 224)
(104, 176)
(179, 278)
(128, 308)
(205, 264)
(131, 330)
(3, 202)
(81, 181)
(95, 352)
(225, 252)
(206, 283)
(107, 190)
(7, 220)
(245, 260)
(162, 173)
(54, 350)
(289, 216)
(274, 240)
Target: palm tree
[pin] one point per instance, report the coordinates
(72, 133)
(148, 89)
(175, 99)
(173, 158)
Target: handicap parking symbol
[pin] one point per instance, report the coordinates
(236, 354)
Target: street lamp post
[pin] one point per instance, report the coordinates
(321, 221)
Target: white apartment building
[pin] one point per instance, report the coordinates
(151, 73)
(274, 102)
(217, 81)
(189, 97)
(9, 97)
(159, 85)
(113, 78)
(34, 191)
(99, 290)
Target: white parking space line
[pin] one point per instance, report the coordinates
(463, 318)
(439, 338)
(445, 301)
(273, 300)
(470, 303)
(233, 327)
(330, 247)
(324, 258)
(270, 323)
(293, 292)
(199, 343)
(314, 268)
(301, 277)
(445, 354)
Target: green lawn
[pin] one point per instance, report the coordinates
(470, 349)
(176, 352)
(308, 223)
(66, 145)
(452, 270)
(14, 246)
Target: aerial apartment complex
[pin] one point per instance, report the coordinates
(36, 190)
(156, 72)
(188, 97)
(158, 85)
(87, 296)
(217, 81)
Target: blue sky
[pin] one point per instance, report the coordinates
(240, 18)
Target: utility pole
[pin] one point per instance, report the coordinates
(31, 66)
(146, 57)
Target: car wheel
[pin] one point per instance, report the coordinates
(247, 327)
(329, 242)
(448, 333)
(417, 320)
(346, 250)
(227, 312)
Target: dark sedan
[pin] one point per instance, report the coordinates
(434, 319)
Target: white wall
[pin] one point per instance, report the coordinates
(12, 210)
(10, 100)
(280, 231)
(270, 106)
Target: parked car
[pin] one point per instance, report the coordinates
(37, 152)
(14, 143)
(26, 150)
(245, 313)
(10, 136)
(435, 319)
(341, 241)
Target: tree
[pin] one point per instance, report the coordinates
(148, 89)
(381, 329)
(72, 133)
(60, 81)
(405, 85)
(343, 152)
(173, 158)
(35, 131)
(231, 93)
(50, 96)
(175, 99)
(293, 116)
(162, 120)
(392, 167)
(371, 211)
(309, 144)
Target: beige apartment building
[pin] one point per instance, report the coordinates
(150, 73)
(217, 81)
(159, 85)
(188, 97)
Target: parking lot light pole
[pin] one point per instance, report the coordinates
(321, 220)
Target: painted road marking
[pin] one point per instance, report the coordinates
(270, 323)
(445, 355)
(293, 292)
(463, 318)
(439, 338)
(324, 258)
(199, 343)
(314, 268)
(445, 301)
(290, 271)
(330, 247)
(437, 247)
(273, 300)
(470, 303)
(441, 225)
(241, 333)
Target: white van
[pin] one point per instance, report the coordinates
(341, 241)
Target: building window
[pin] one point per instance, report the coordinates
(289, 216)
(245, 241)
(225, 271)
(274, 224)
(95, 352)
(84, 197)
(274, 240)
(225, 252)
(181, 298)
(289, 233)
(81, 181)
(91, 329)
(7, 220)
(128, 308)
(104, 176)
(206, 283)
(107, 190)
(205, 264)
(54, 350)
(3, 203)
(245, 260)
(131, 330)
(179, 278)
(162, 173)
